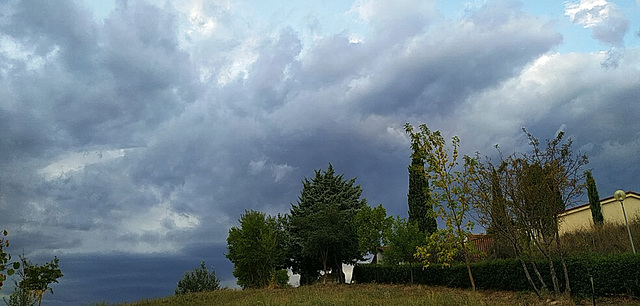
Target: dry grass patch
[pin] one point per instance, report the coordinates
(369, 294)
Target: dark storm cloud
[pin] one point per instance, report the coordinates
(109, 83)
(172, 133)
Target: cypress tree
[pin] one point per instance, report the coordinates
(420, 208)
(594, 199)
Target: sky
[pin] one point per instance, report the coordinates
(133, 134)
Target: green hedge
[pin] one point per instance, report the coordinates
(612, 274)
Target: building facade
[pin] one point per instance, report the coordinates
(580, 217)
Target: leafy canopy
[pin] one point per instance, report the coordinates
(373, 227)
(257, 249)
(34, 282)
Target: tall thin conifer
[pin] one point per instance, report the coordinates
(594, 199)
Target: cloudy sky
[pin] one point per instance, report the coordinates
(133, 134)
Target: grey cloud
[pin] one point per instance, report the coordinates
(130, 77)
(47, 25)
(440, 68)
(612, 30)
(195, 145)
(595, 107)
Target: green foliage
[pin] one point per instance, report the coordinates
(403, 241)
(321, 229)
(373, 227)
(452, 187)
(256, 249)
(441, 247)
(5, 259)
(282, 278)
(39, 277)
(594, 199)
(612, 274)
(420, 206)
(20, 297)
(34, 281)
(198, 280)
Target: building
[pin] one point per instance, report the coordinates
(579, 217)
(482, 243)
(377, 258)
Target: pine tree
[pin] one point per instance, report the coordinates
(420, 208)
(594, 199)
(321, 228)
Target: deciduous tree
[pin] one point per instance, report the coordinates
(536, 186)
(451, 185)
(373, 227)
(35, 281)
(403, 242)
(257, 249)
(499, 216)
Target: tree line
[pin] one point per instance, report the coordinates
(516, 198)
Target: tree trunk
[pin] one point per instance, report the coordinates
(567, 287)
(535, 269)
(552, 270)
(526, 273)
(466, 258)
(526, 270)
(325, 255)
(341, 276)
(554, 277)
(411, 272)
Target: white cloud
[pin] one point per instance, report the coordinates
(278, 171)
(375, 11)
(588, 13)
(281, 171)
(77, 161)
(20, 52)
(607, 23)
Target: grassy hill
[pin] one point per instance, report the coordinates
(367, 294)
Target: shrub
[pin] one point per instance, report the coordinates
(282, 278)
(197, 280)
(612, 274)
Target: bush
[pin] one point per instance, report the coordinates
(282, 278)
(198, 280)
(612, 274)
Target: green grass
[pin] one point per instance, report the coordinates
(367, 294)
